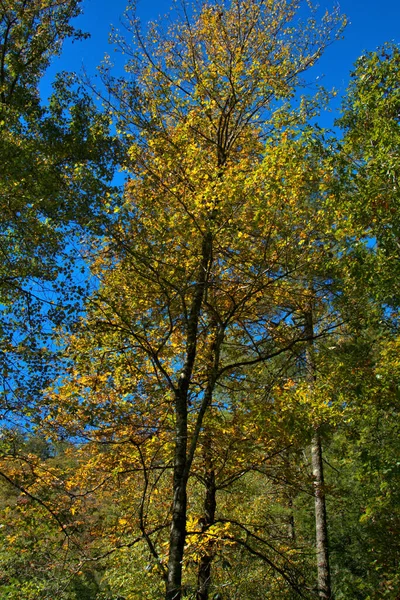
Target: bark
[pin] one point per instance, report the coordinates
(321, 529)
(181, 460)
(210, 504)
(291, 528)
(291, 524)
(179, 504)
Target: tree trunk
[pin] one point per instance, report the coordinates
(291, 529)
(291, 524)
(182, 463)
(321, 529)
(210, 504)
(179, 505)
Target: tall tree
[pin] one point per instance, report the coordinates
(191, 280)
(321, 527)
(56, 161)
(370, 162)
(205, 96)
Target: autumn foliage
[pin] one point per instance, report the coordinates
(168, 421)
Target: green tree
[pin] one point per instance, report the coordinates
(368, 179)
(56, 162)
(370, 161)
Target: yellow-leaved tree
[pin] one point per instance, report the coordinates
(197, 275)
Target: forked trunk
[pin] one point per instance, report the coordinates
(182, 461)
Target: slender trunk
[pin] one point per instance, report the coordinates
(321, 529)
(179, 504)
(181, 461)
(291, 529)
(210, 504)
(291, 524)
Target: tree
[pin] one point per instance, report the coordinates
(369, 168)
(57, 161)
(200, 367)
(360, 465)
(195, 279)
(46, 528)
(369, 154)
(204, 99)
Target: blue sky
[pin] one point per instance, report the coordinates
(371, 23)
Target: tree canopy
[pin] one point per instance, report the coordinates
(200, 373)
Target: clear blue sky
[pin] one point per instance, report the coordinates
(371, 24)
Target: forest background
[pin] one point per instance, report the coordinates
(199, 294)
